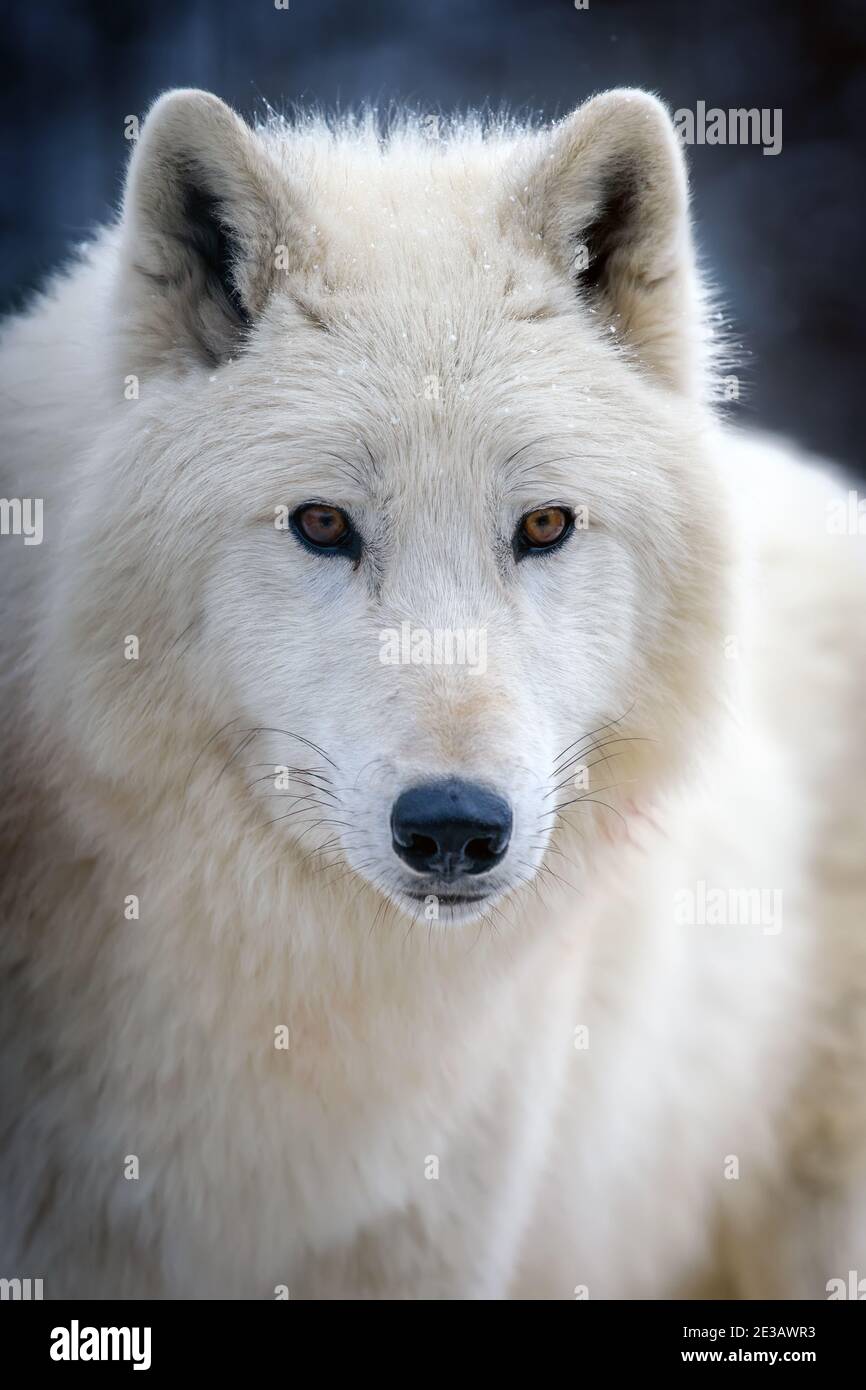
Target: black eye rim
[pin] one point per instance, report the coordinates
(349, 545)
(523, 547)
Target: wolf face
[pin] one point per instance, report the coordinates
(415, 494)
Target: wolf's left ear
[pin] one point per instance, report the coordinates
(607, 196)
(207, 215)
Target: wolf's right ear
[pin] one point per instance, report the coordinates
(207, 217)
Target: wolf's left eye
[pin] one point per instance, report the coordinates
(543, 529)
(326, 528)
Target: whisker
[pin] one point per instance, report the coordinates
(597, 747)
(592, 802)
(287, 733)
(244, 743)
(592, 734)
(588, 767)
(203, 750)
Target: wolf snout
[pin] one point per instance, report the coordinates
(450, 828)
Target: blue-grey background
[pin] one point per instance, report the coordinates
(782, 235)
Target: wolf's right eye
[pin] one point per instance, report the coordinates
(326, 528)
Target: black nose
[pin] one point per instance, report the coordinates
(450, 828)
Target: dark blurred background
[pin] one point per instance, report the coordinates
(782, 235)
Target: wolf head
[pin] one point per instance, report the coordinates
(410, 508)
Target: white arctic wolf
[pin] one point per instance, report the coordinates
(363, 967)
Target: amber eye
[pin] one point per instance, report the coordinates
(322, 525)
(541, 529)
(324, 528)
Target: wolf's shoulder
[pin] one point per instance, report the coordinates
(55, 370)
(799, 526)
(800, 519)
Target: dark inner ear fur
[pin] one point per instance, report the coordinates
(207, 237)
(611, 229)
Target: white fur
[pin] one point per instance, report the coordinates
(418, 259)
